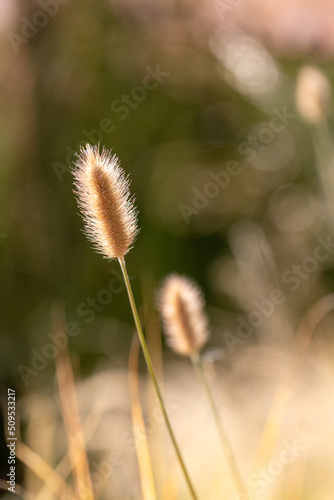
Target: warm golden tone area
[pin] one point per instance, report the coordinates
(167, 250)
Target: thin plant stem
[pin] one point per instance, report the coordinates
(153, 376)
(141, 443)
(227, 448)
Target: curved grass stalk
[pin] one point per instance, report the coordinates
(225, 442)
(142, 448)
(153, 376)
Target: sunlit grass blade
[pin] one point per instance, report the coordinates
(273, 423)
(154, 378)
(71, 415)
(141, 442)
(224, 439)
(44, 471)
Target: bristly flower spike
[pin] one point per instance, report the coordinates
(104, 199)
(181, 304)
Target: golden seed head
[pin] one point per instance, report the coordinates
(181, 304)
(104, 199)
(312, 94)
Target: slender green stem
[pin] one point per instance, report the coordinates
(153, 376)
(227, 448)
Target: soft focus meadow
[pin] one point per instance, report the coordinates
(221, 114)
